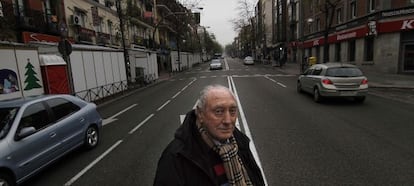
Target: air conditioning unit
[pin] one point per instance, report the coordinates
(76, 20)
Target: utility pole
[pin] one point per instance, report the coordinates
(64, 46)
(121, 25)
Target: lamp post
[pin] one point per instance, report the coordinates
(121, 25)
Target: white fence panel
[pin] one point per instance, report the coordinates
(8, 71)
(109, 74)
(30, 74)
(115, 66)
(78, 72)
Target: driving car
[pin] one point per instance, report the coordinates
(36, 131)
(216, 64)
(248, 60)
(333, 80)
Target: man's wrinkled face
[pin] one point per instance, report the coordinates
(220, 114)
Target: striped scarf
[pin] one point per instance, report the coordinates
(233, 165)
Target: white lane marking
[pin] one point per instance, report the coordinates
(93, 163)
(140, 124)
(182, 117)
(203, 76)
(178, 93)
(226, 64)
(280, 84)
(247, 131)
(231, 89)
(163, 105)
(113, 118)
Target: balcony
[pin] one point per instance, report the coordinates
(36, 21)
(103, 38)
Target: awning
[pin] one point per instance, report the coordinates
(47, 60)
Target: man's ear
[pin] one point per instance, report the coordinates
(199, 114)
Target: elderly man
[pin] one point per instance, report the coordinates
(208, 149)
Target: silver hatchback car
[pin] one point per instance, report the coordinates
(35, 131)
(333, 80)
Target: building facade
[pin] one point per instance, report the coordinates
(370, 33)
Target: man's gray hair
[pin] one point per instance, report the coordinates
(201, 102)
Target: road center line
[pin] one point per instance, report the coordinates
(247, 130)
(140, 124)
(83, 171)
(162, 106)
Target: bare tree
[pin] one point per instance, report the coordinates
(191, 4)
(245, 13)
(328, 8)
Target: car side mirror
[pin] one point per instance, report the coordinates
(24, 132)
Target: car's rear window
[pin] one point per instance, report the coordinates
(343, 72)
(215, 61)
(6, 120)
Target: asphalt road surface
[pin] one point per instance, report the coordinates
(297, 141)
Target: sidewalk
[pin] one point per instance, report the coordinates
(375, 79)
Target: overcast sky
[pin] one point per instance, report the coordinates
(217, 14)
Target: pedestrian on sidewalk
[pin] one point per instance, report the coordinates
(207, 148)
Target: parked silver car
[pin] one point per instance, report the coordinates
(35, 131)
(333, 80)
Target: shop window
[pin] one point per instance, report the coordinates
(351, 50)
(409, 57)
(369, 49)
(338, 52)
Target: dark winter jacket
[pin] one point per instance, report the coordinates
(187, 160)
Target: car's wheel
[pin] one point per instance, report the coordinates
(6, 180)
(299, 87)
(91, 137)
(317, 96)
(359, 99)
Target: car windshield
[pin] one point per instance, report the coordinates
(343, 72)
(215, 61)
(7, 116)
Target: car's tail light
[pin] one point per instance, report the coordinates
(327, 81)
(364, 82)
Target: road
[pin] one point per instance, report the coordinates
(298, 141)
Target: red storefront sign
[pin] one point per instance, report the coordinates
(30, 36)
(396, 26)
(372, 28)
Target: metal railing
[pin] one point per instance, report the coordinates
(101, 93)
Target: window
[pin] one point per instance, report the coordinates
(351, 50)
(338, 52)
(6, 120)
(353, 10)
(371, 6)
(339, 15)
(317, 71)
(110, 27)
(62, 108)
(35, 116)
(344, 72)
(369, 49)
(318, 24)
